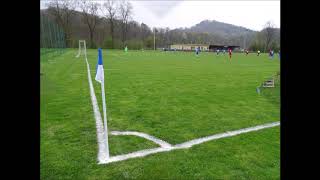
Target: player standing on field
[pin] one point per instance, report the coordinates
(230, 54)
(197, 51)
(270, 54)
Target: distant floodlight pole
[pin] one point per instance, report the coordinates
(245, 38)
(244, 41)
(154, 39)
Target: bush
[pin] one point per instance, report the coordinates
(135, 44)
(93, 45)
(275, 47)
(148, 43)
(74, 43)
(256, 46)
(117, 44)
(107, 44)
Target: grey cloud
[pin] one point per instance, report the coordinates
(159, 8)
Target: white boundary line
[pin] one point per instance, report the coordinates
(143, 135)
(191, 143)
(102, 158)
(184, 145)
(102, 153)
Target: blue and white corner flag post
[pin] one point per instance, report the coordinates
(100, 79)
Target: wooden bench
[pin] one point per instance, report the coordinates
(268, 83)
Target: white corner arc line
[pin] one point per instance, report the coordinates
(136, 154)
(160, 142)
(185, 145)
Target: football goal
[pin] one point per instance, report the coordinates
(82, 48)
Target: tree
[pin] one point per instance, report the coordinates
(62, 12)
(269, 34)
(258, 42)
(167, 40)
(90, 17)
(109, 10)
(148, 42)
(145, 31)
(125, 12)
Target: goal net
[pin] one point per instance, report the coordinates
(52, 40)
(82, 48)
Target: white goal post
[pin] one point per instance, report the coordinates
(82, 48)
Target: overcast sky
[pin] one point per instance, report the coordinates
(174, 14)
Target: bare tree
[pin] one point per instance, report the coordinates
(269, 34)
(109, 9)
(145, 31)
(90, 16)
(125, 12)
(62, 12)
(167, 40)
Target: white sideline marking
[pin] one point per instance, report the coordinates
(100, 131)
(184, 145)
(191, 143)
(143, 135)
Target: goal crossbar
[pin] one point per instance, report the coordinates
(82, 48)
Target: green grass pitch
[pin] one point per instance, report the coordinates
(174, 96)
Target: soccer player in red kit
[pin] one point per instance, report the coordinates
(230, 54)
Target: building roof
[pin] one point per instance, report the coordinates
(190, 45)
(222, 46)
